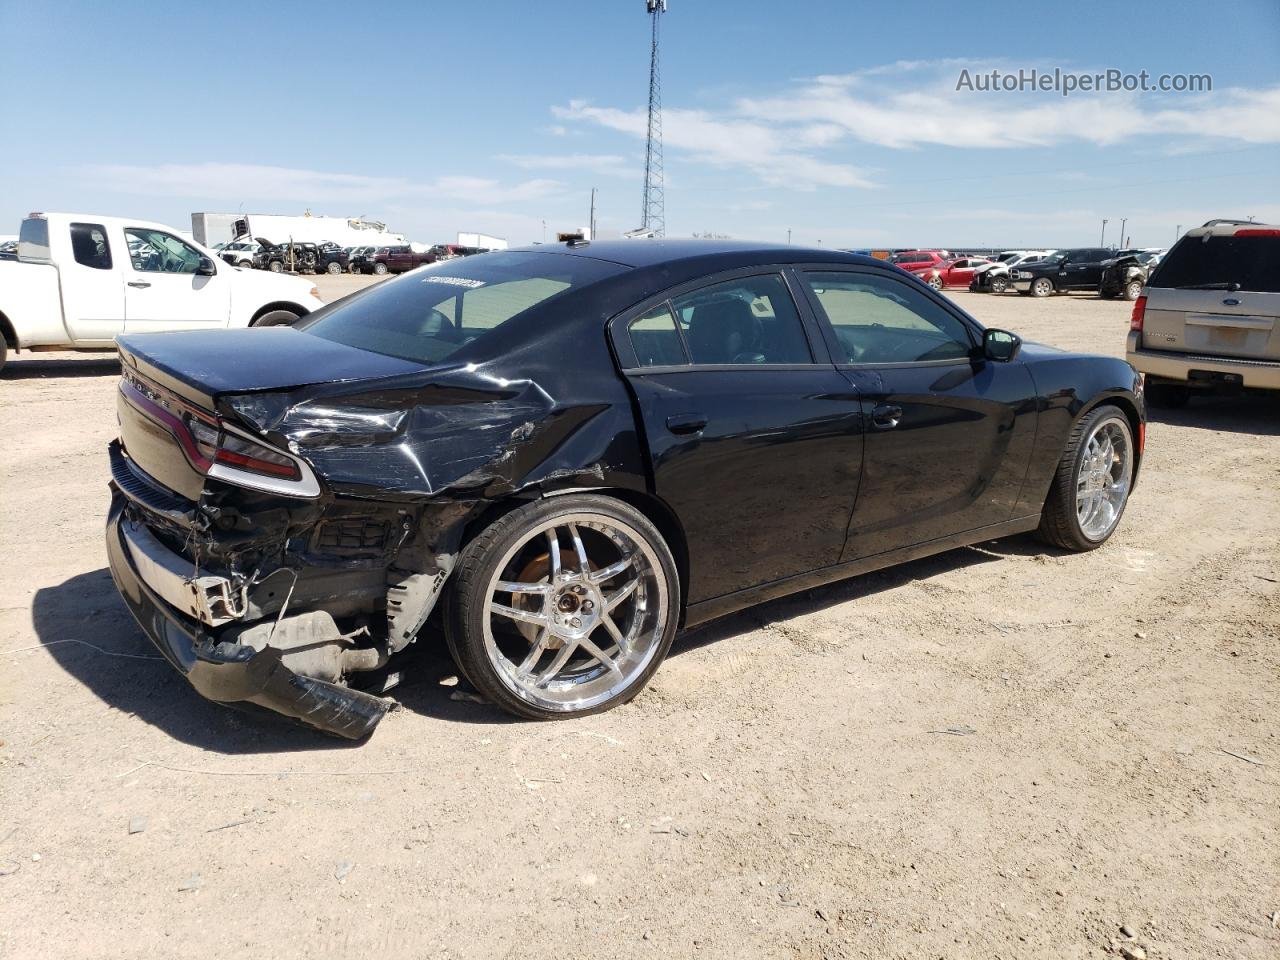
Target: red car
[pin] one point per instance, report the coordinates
(914, 260)
(951, 273)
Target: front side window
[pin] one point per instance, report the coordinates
(89, 245)
(752, 320)
(881, 320)
(430, 314)
(154, 251)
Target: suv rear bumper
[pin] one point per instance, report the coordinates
(229, 672)
(1167, 365)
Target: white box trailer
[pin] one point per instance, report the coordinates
(211, 228)
(481, 240)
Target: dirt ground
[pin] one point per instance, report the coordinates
(998, 752)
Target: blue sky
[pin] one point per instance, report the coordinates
(838, 121)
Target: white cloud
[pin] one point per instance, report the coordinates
(727, 142)
(609, 164)
(227, 181)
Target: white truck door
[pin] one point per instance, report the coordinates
(171, 285)
(89, 271)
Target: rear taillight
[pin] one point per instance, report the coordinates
(236, 451)
(1139, 314)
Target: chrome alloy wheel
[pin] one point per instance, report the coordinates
(576, 612)
(1102, 484)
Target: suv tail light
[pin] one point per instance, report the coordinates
(1257, 232)
(1139, 314)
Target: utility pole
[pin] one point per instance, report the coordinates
(591, 221)
(1177, 232)
(653, 217)
(788, 236)
(1103, 241)
(1123, 242)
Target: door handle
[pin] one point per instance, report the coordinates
(684, 423)
(139, 284)
(886, 416)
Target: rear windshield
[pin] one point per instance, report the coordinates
(1219, 262)
(431, 313)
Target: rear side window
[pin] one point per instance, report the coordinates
(656, 340)
(1218, 262)
(89, 245)
(752, 320)
(33, 240)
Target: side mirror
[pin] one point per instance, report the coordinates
(1000, 345)
(206, 268)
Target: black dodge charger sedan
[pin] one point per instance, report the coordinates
(563, 455)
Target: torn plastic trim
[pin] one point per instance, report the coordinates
(208, 598)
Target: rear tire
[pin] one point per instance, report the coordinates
(380, 268)
(277, 318)
(1169, 396)
(1091, 487)
(510, 659)
(4, 353)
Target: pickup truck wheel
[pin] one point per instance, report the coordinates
(1132, 289)
(1042, 287)
(276, 318)
(563, 607)
(379, 268)
(275, 266)
(999, 284)
(334, 268)
(1091, 488)
(1170, 396)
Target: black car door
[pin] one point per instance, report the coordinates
(1084, 269)
(949, 434)
(754, 438)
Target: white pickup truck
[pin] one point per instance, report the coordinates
(79, 280)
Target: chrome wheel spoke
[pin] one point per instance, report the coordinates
(556, 665)
(511, 586)
(586, 644)
(553, 551)
(535, 653)
(627, 590)
(608, 623)
(579, 549)
(524, 616)
(611, 571)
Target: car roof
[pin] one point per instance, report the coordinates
(1227, 228)
(649, 253)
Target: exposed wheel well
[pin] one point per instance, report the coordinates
(658, 513)
(300, 310)
(10, 335)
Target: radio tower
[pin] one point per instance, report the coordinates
(653, 220)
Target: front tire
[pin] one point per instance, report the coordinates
(1091, 487)
(563, 607)
(935, 283)
(1132, 289)
(1042, 287)
(999, 284)
(275, 266)
(334, 268)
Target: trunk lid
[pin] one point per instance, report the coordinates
(171, 383)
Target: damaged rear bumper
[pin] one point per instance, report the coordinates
(229, 672)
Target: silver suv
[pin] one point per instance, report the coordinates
(1209, 316)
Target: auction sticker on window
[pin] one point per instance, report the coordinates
(452, 281)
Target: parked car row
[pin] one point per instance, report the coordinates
(294, 257)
